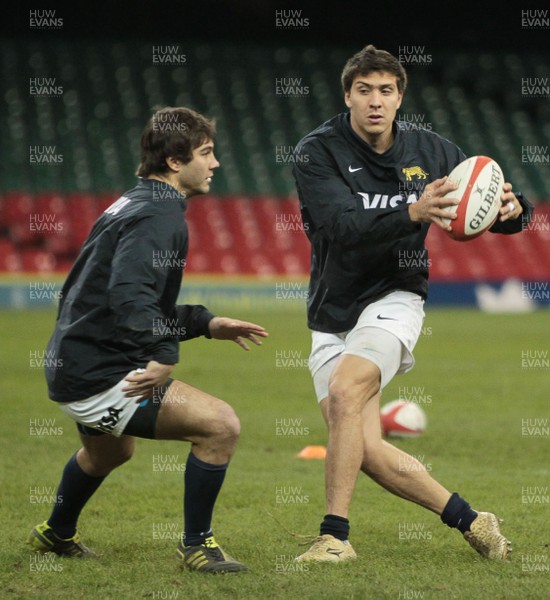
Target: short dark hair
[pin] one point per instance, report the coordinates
(371, 59)
(172, 131)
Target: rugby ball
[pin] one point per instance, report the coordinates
(402, 418)
(480, 182)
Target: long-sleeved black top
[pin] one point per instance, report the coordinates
(354, 206)
(118, 305)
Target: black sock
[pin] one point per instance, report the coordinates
(203, 482)
(335, 526)
(458, 513)
(75, 489)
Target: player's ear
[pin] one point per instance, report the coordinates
(399, 99)
(173, 164)
(347, 99)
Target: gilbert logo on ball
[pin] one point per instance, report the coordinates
(401, 418)
(480, 182)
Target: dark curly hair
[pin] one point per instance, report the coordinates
(175, 132)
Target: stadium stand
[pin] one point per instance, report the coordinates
(264, 98)
(258, 235)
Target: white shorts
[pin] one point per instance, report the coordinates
(385, 333)
(107, 411)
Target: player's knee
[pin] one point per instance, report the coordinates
(101, 463)
(123, 455)
(226, 427)
(343, 400)
(348, 396)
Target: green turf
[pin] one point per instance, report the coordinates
(477, 394)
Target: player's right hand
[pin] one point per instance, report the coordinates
(142, 385)
(429, 208)
(223, 328)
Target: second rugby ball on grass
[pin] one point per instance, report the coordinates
(402, 418)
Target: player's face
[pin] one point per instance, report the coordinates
(195, 177)
(373, 101)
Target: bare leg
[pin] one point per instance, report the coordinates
(353, 381)
(189, 414)
(101, 454)
(390, 467)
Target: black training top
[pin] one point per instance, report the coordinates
(354, 205)
(118, 305)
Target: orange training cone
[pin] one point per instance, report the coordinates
(310, 452)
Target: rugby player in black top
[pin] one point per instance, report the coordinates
(116, 342)
(369, 188)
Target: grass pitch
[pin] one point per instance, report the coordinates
(482, 380)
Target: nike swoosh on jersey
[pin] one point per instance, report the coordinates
(385, 318)
(353, 170)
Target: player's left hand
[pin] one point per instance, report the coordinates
(143, 382)
(223, 328)
(511, 209)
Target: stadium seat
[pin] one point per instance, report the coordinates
(492, 257)
(10, 261)
(16, 207)
(34, 260)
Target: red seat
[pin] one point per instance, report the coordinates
(50, 203)
(491, 257)
(34, 260)
(9, 258)
(16, 208)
